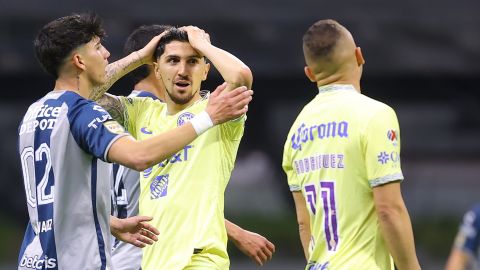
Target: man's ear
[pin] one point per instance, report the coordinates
(309, 74)
(359, 56)
(207, 68)
(156, 70)
(78, 61)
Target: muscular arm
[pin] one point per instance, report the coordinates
(395, 225)
(303, 219)
(232, 69)
(255, 246)
(113, 106)
(118, 69)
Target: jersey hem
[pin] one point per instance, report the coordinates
(386, 179)
(295, 188)
(105, 157)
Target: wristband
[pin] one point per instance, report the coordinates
(201, 122)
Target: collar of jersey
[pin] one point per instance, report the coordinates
(204, 94)
(335, 87)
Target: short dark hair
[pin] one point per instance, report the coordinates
(173, 34)
(136, 41)
(57, 39)
(320, 39)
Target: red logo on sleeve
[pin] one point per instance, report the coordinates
(392, 135)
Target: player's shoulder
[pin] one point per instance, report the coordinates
(72, 99)
(371, 107)
(373, 104)
(143, 94)
(142, 105)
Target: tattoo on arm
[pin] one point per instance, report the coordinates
(115, 71)
(113, 106)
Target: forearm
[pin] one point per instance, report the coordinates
(233, 230)
(114, 224)
(140, 155)
(458, 260)
(232, 69)
(303, 219)
(397, 232)
(305, 236)
(115, 71)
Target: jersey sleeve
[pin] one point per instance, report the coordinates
(468, 238)
(134, 108)
(287, 164)
(382, 148)
(94, 129)
(233, 130)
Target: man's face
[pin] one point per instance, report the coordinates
(182, 70)
(94, 58)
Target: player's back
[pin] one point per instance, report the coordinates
(67, 187)
(328, 156)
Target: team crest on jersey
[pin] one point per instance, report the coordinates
(184, 118)
(159, 186)
(114, 127)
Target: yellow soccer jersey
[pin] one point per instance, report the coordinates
(340, 146)
(185, 193)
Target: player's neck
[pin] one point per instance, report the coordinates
(74, 84)
(174, 108)
(149, 86)
(339, 80)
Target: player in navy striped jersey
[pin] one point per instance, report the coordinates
(126, 188)
(465, 252)
(65, 140)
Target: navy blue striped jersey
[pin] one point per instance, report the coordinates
(63, 144)
(125, 192)
(468, 237)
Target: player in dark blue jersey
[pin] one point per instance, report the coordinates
(465, 252)
(65, 140)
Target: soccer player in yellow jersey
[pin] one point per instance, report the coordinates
(185, 192)
(342, 160)
(127, 187)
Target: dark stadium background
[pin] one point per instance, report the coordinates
(422, 58)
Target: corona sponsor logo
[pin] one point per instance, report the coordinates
(321, 131)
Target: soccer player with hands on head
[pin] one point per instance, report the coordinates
(65, 140)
